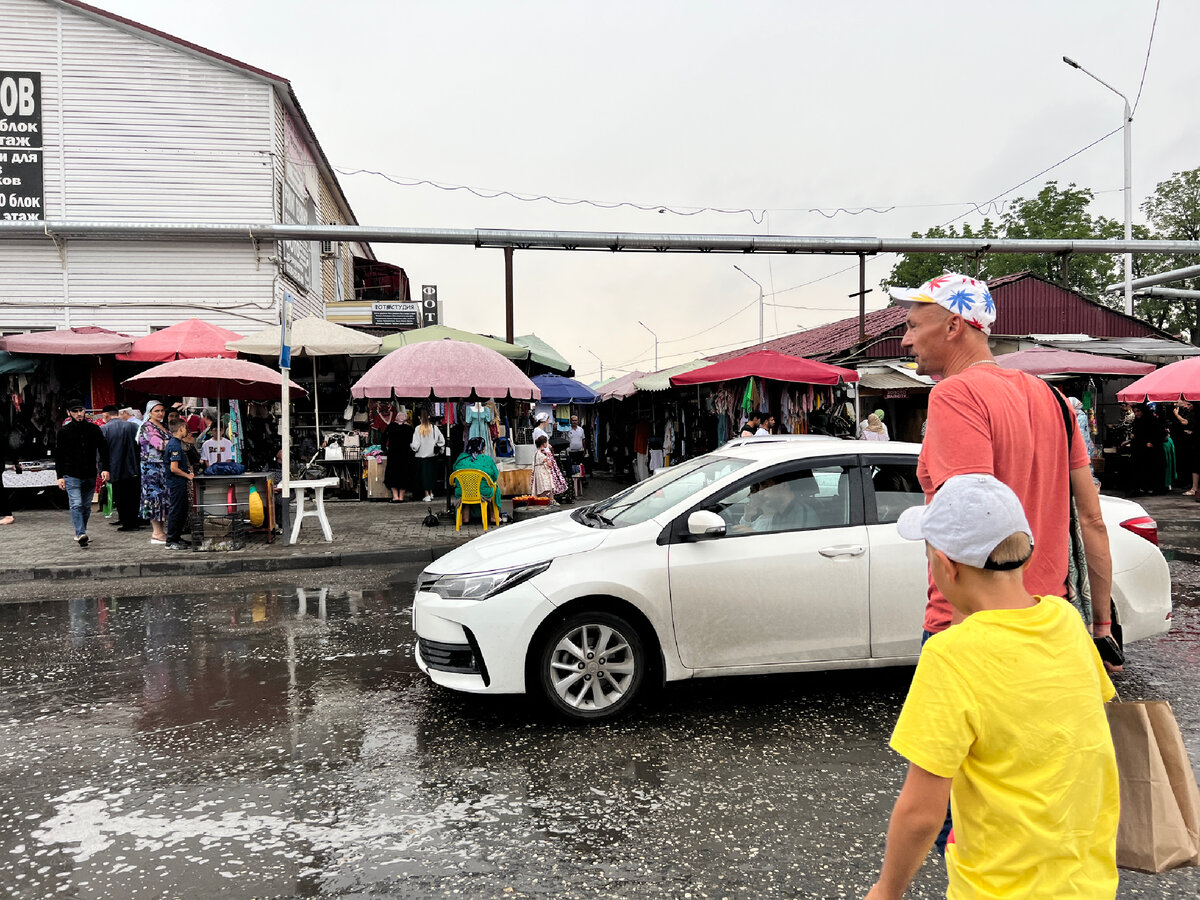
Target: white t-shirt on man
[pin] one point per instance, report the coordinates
(216, 450)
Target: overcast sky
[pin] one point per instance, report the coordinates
(790, 107)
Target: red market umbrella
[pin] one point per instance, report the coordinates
(87, 340)
(1165, 385)
(1049, 361)
(447, 370)
(767, 364)
(190, 339)
(237, 379)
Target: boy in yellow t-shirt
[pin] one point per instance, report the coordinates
(1005, 717)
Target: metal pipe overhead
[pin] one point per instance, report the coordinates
(1160, 278)
(573, 240)
(1175, 293)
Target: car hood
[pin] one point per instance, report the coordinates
(520, 544)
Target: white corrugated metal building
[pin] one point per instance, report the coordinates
(137, 125)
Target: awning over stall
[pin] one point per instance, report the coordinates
(1050, 361)
(560, 389)
(771, 365)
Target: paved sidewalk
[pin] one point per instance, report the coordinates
(39, 545)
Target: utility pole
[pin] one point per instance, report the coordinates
(861, 294)
(1127, 125)
(598, 359)
(761, 294)
(508, 295)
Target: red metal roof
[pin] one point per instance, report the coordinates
(1025, 304)
(827, 340)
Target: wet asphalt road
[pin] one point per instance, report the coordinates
(279, 742)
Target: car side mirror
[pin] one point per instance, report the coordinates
(703, 523)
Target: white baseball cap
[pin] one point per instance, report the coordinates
(963, 296)
(968, 518)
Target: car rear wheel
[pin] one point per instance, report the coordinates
(592, 665)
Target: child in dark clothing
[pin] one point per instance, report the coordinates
(179, 474)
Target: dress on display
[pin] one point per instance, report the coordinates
(478, 426)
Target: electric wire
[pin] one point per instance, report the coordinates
(1149, 45)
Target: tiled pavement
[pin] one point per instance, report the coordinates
(39, 544)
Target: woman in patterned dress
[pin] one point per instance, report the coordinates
(152, 442)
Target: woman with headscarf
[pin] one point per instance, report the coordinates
(152, 440)
(427, 441)
(541, 421)
(474, 458)
(874, 429)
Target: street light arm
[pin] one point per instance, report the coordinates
(1074, 65)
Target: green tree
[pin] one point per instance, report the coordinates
(1173, 210)
(914, 269)
(1053, 212)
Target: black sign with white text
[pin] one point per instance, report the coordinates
(21, 181)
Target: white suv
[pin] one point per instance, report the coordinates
(771, 556)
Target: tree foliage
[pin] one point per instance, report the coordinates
(1172, 211)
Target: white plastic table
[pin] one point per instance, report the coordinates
(317, 486)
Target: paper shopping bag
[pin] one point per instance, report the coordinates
(1160, 806)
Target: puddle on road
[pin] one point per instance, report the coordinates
(283, 742)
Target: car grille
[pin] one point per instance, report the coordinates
(463, 659)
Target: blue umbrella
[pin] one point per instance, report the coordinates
(560, 389)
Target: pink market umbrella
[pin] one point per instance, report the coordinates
(1165, 385)
(238, 379)
(87, 340)
(190, 339)
(1049, 361)
(447, 370)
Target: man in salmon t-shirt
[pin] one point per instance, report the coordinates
(1007, 424)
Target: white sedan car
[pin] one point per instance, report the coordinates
(760, 558)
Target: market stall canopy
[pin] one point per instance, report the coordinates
(661, 381)
(771, 365)
(190, 339)
(445, 370)
(1179, 379)
(445, 332)
(620, 388)
(16, 365)
(311, 336)
(561, 389)
(1049, 361)
(87, 340)
(237, 379)
(543, 354)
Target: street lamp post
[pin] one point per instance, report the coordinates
(1128, 189)
(655, 336)
(761, 294)
(598, 359)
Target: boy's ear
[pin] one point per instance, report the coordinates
(949, 566)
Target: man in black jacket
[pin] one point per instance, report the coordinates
(79, 441)
(124, 468)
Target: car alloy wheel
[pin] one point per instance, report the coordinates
(592, 666)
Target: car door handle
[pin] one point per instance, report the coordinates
(843, 550)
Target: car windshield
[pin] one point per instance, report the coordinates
(661, 491)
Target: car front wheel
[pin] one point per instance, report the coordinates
(592, 666)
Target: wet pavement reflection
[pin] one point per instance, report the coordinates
(282, 742)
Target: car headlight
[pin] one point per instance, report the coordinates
(479, 585)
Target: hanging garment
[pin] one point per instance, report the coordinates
(478, 422)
